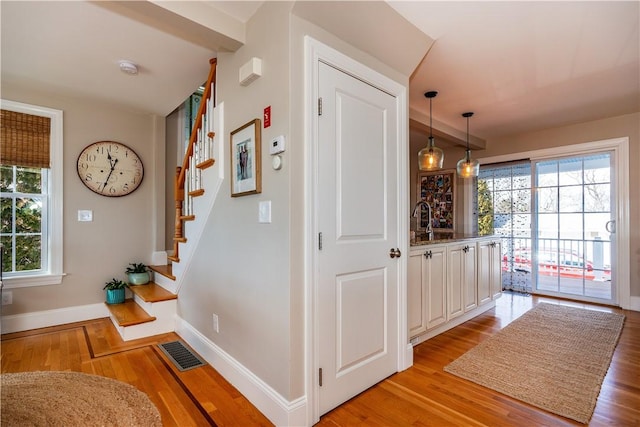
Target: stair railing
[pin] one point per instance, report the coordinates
(198, 156)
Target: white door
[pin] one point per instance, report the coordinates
(357, 216)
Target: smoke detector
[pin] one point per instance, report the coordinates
(128, 67)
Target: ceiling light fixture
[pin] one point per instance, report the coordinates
(468, 167)
(430, 158)
(128, 67)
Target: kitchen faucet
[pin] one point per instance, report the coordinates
(417, 209)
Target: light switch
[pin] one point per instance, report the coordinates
(264, 212)
(85, 216)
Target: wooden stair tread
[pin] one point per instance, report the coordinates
(152, 292)
(129, 313)
(206, 164)
(188, 217)
(165, 270)
(196, 193)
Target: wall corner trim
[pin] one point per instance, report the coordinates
(60, 316)
(273, 405)
(634, 304)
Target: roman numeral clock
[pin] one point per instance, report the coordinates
(110, 168)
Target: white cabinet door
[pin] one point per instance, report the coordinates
(416, 295)
(489, 270)
(427, 289)
(496, 269)
(455, 278)
(434, 273)
(485, 293)
(470, 279)
(462, 289)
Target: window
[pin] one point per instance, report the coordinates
(31, 195)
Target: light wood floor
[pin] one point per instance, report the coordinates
(423, 395)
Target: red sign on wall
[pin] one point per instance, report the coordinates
(267, 117)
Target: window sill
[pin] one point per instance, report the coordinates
(29, 281)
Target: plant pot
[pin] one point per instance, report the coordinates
(138, 278)
(115, 296)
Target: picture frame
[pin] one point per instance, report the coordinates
(246, 165)
(438, 190)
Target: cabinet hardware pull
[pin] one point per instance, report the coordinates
(427, 254)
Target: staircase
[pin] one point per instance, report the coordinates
(152, 309)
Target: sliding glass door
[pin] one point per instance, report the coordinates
(574, 226)
(555, 217)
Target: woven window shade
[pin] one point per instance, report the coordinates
(24, 139)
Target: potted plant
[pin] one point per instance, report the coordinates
(115, 291)
(138, 274)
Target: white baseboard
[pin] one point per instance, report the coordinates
(46, 318)
(274, 406)
(634, 303)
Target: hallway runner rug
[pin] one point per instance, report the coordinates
(554, 357)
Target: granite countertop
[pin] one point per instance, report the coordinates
(443, 238)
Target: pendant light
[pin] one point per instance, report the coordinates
(468, 167)
(430, 158)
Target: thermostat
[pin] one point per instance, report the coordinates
(277, 145)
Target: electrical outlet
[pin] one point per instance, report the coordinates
(216, 325)
(7, 297)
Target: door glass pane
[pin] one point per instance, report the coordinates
(504, 207)
(547, 199)
(570, 198)
(574, 248)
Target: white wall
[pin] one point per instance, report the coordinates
(122, 230)
(241, 268)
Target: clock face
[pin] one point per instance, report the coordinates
(110, 168)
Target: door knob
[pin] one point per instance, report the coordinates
(395, 253)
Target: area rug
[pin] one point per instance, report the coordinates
(554, 357)
(73, 399)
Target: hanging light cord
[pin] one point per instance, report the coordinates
(431, 125)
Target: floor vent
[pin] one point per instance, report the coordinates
(181, 356)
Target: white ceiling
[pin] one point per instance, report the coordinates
(520, 66)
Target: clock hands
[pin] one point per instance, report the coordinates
(112, 163)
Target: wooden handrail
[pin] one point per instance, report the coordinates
(194, 132)
(181, 171)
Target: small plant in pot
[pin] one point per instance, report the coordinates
(115, 291)
(138, 274)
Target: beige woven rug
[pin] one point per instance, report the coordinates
(553, 357)
(73, 399)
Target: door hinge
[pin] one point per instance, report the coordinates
(320, 241)
(319, 106)
(320, 377)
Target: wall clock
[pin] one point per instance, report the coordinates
(110, 168)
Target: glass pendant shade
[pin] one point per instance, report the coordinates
(468, 167)
(430, 158)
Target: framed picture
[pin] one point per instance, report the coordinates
(438, 190)
(245, 160)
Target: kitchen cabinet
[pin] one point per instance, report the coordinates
(450, 281)
(489, 270)
(427, 289)
(462, 280)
